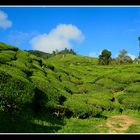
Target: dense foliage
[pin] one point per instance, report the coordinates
(105, 57)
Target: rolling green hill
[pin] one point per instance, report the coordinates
(65, 93)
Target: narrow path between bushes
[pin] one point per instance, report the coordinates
(119, 123)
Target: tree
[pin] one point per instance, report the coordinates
(122, 53)
(139, 40)
(128, 59)
(105, 57)
(67, 51)
(139, 56)
(123, 58)
(136, 61)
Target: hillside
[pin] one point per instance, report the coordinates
(64, 94)
(39, 54)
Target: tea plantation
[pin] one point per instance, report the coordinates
(65, 93)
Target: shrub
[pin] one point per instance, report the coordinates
(109, 83)
(101, 103)
(69, 86)
(75, 80)
(130, 100)
(39, 101)
(15, 92)
(78, 105)
(12, 71)
(54, 95)
(6, 56)
(4, 46)
(36, 65)
(125, 77)
(18, 64)
(33, 57)
(4, 77)
(51, 67)
(38, 73)
(135, 87)
(22, 56)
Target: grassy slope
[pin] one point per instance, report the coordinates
(100, 85)
(73, 88)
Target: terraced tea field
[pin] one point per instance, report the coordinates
(67, 94)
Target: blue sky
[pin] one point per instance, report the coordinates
(88, 30)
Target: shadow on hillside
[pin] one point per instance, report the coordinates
(25, 124)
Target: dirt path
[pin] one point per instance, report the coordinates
(119, 124)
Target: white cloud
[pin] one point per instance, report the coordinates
(4, 21)
(58, 38)
(132, 56)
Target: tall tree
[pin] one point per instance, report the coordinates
(105, 57)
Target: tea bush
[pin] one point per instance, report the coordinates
(15, 92)
(4, 46)
(6, 56)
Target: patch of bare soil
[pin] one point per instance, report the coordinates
(119, 124)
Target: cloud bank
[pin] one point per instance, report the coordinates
(58, 38)
(4, 21)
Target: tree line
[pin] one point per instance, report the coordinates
(122, 58)
(48, 55)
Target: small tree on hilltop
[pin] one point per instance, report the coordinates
(124, 58)
(105, 57)
(122, 53)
